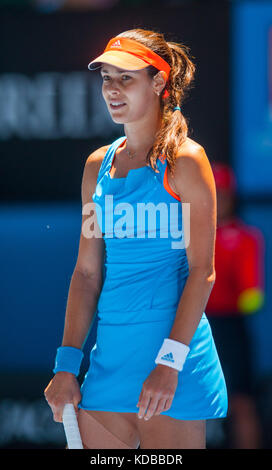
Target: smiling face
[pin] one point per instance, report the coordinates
(129, 95)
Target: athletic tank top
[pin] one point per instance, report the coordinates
(140, 217)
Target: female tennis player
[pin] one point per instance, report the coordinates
(154, 376)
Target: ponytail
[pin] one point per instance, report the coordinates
(174, 129)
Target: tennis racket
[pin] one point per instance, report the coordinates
(70, 424)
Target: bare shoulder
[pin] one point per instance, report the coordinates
(190, 150)
(190, 143)
(193, 171)
(91, 248)
(95, 159)
(91, 170)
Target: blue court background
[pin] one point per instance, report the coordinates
(251, 96)
(251, 143)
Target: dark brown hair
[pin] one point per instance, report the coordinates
(174, 128)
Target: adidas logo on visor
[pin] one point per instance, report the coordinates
(116, 44)
(168, 357)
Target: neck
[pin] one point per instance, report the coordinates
(141, 136)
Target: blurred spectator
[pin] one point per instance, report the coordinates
(238, 291)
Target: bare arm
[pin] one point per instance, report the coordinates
(84, 291)
(195, 184)
(86, 282)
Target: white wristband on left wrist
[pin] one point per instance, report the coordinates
(172, 354)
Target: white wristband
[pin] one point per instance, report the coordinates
(172, 354)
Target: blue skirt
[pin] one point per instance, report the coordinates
(124, 356)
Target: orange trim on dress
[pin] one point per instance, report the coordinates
(121, 145)
(167, 186)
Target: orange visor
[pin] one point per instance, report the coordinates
(130, 55)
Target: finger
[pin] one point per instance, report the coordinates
(58, 412)
(75, 403)
(143, 404)
(161, 406)
(57, 415)
(151, 407)
(168, 403)
(140, 397)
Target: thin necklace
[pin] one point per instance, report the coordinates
(130, 155)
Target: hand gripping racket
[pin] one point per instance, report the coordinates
(71, 429)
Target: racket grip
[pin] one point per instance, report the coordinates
(70, 425)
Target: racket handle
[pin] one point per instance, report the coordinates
(71, 429)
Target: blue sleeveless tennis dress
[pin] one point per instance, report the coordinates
(145, 271)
